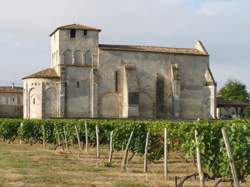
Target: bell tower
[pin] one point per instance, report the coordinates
(75, 55)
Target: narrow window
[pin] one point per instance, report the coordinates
(65, 84)
(160, 95)
(34, 101)
(117, 81)
(78, 84)
(13, 99)
(133, 98)
(72, 33)
(85, 32)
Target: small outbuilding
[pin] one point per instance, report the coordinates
(230, 108)
(11, 102)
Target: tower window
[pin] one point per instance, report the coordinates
(65, 84)
(34, 101)
(133, 98)
(78, 84)
(72, 33)
(85, 32)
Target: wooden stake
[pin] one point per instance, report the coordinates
(111, 147)
(65, 138)
(86, 137)
(20, 142)
(78, 139)
(58, 137)
(165, 153)
(44, 137)
(97, 142)
(146, 154)
(230, 156)
(125, 158)
(198, 160)
(175, 181)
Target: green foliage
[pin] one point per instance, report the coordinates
(234, 90)
(180, 137)
(247, 112)
(9, 129)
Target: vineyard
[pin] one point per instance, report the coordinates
(137, 137)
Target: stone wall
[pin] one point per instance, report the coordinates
(11, 111)
(41, 98)
(148, 66)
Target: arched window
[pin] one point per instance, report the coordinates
(68, 57)
(78, 57)
(88, 58)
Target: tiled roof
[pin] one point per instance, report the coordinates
(153, 49)
(75, 26)
(47, 73)
(221, 102)
(8, 89)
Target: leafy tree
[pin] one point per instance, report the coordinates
(234, 90)
(247, 112)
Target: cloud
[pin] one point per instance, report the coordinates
(222, 25)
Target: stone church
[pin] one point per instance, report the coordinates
(87, 79)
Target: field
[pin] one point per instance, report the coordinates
(29, 164)
(25, 165)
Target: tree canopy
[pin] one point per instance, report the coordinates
(234, 90)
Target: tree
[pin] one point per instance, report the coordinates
(234, 90)
(247, 112)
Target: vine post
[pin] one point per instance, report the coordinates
(97, 142)
(65, 138)
(86, 137)
(198, 160)
(20, 142)
(125, 158)
(165, 153)
(58, 137)
(78, 139)
(230, 156)
(111, 147)
(146, 154)
(44, 137)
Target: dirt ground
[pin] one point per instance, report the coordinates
(25, 165)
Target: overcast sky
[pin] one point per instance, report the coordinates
(223, 26)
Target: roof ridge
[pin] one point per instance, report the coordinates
(155, 46)
(153, 49)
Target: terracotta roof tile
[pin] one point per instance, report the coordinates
(153, 49)
(7, 89)
(75, 26)
(47, 73)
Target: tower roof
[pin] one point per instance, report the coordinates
(75, 26)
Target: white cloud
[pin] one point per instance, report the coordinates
(223, 26)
